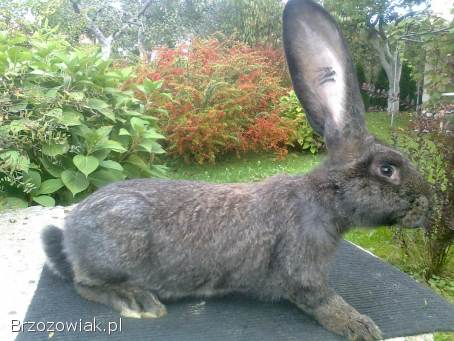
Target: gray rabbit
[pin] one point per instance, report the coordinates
(133, 243)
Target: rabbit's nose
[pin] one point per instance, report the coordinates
(423, 203)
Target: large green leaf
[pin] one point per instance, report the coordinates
(50, 186)
(44, 200)
(152, 134)
(57, 113)
(138, 124)
(86, 164)
(71, 118)
(159, 171)
(103, 177)
(136, 167)
(110, 144)
(101, 154)
(33, 179)
(111, 165)
(101, 106)
(123, 132)
(134, 172)
(104, 131)
(108, 113)
(97, 104)
(53, 169)
(75, 181)
(54, 149)
(151, 146)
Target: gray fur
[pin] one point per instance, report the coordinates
(135, 242)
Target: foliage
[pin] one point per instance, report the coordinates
(225, 97)
(162, 23)
(439, 72)
(254, 22)
(66, 126)
(304, 137)
(433, 154)
(382, 24)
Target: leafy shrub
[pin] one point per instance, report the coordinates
(304, 135)
(67, 127)
(224, 94)
(432, 152)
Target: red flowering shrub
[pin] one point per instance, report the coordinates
(269, 133)
(224, 98)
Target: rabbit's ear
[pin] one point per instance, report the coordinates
(323, 75)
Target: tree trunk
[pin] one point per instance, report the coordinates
(141, 45)
(106, 47)
(106, 42)
(393, 82)
(393, 67)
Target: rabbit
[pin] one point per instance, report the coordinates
(133, 243)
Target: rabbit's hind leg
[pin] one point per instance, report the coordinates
(130, 301)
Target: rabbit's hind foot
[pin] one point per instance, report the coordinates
(129, 301)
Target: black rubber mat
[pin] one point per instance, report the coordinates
(399, 305)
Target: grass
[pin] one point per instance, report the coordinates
(254, 167)
(378, 124)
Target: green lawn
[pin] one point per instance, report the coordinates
(254, 167)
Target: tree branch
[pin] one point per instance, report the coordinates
(416, 34)
(381, 30)
(106, 42)
(129, 23)
(408, 15)
(91, 24)
(382, 55)
(144, 8)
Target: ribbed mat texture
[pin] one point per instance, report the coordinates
(399, 305)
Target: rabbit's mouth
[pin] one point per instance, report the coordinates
(417, 215)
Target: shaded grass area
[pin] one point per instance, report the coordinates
(378, 124)
(254, 167)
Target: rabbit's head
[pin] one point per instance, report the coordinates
(376, 184)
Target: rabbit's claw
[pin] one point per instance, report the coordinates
(362, 327)
(130, 302)
(341, 318)
(138, 303)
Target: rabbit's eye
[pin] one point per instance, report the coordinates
(387, 170)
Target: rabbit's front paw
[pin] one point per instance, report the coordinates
(341, 318)
(360, 327)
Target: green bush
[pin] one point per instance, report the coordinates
(305, 137)
(427, 252)
(68, 122)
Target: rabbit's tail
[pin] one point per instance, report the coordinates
(52, 238)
